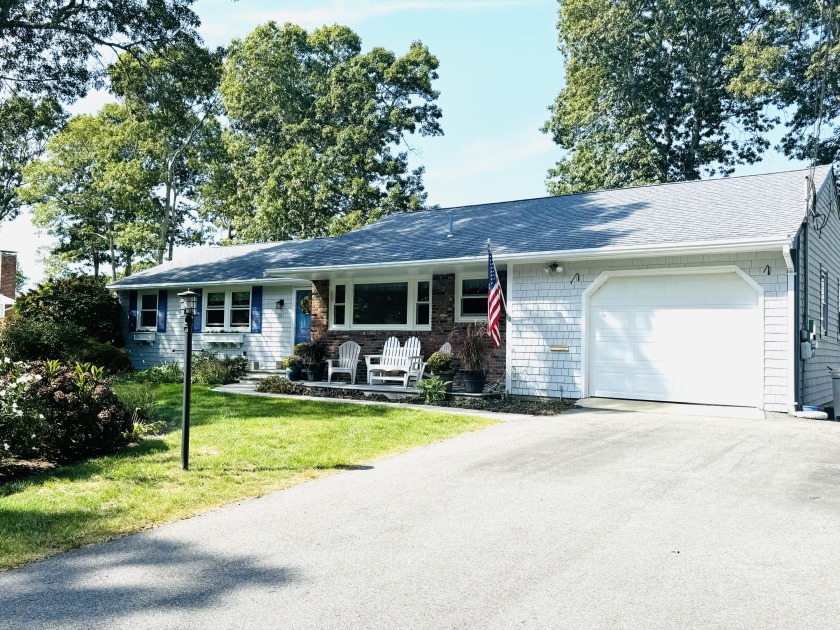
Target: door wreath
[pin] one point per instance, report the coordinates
(306, 305)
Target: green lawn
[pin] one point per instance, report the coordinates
(241, 447)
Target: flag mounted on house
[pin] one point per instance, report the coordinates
(494, 300)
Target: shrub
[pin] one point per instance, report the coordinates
(39, 339)
(164, 373)
(291, 361)
(432, 389)
(277, 385)
(114, 360)
(81, 301)
(54, 412)
(36, 339)
(210, 369)
(440, 362)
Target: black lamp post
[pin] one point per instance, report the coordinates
(189, 302)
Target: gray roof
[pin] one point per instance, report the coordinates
(769, 206)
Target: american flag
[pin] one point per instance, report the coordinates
(494, 301)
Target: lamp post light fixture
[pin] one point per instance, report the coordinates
(189, 308)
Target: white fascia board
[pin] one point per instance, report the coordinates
(600, 253)
(217, 283)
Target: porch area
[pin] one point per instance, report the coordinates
(396, 391)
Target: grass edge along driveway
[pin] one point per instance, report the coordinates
(241, 447)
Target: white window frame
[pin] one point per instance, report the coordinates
(459, 278)
(140, 310)
(228, 306)
(349, 296)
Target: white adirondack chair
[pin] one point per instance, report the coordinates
(394, 358)
(347, 362)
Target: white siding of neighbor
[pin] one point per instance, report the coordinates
(267, 347)
(823, 253)
(546, 311)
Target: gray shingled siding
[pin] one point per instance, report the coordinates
(274, 343)
(823, 252)
(547, 311)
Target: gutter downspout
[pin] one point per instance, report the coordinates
(793, 315)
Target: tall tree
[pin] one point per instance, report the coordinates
(93, 192)
(791, 59)
(25, 126)
(172, 94)
(54, 51)
(318, 131)
(646, 97)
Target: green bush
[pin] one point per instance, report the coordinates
(24, 339)
(277, 385)
(114, 360)
(211, 369)
(54, 412)
(80, 301)
(432, 389)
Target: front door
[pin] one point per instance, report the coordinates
(303, 316)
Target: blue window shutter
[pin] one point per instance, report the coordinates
(161, 318)
(198, 305)
(132, 311)
(256, 309)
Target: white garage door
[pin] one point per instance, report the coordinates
(685, 338)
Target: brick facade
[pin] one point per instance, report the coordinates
(8, 271)
(372, 341)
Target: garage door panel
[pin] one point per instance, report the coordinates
(699, 343)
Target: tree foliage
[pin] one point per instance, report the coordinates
(25, 126)
(318, 132)
(791, 59)
(55, 48)
(646, 98)
(93, 192)
(172, 96)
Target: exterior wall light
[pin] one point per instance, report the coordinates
(553, 268)
(280, 304)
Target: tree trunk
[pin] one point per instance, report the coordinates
(128, 257)
(113, 259)
(164, 224)
(172, 223)
(96, 265)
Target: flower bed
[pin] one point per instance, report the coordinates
(281, 385)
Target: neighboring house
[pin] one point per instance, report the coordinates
(698, 292)
(8, 281)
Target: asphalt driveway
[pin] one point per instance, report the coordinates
(590, 520)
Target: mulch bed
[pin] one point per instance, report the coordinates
(500, 405)
(13, 469)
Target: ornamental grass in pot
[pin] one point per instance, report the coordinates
(313, 354)
(473, 351)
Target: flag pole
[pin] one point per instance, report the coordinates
(501, 293)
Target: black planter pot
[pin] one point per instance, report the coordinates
(293, 373)
(473, 381)
(315, 372)
(446, 377)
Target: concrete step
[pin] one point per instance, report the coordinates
(258, 375)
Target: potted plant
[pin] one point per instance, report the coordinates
(473, 351)
(312, 353)
(293, 366)
(441, 364)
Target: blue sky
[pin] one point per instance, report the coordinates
(499, 71)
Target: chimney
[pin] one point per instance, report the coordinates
(8, 273)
